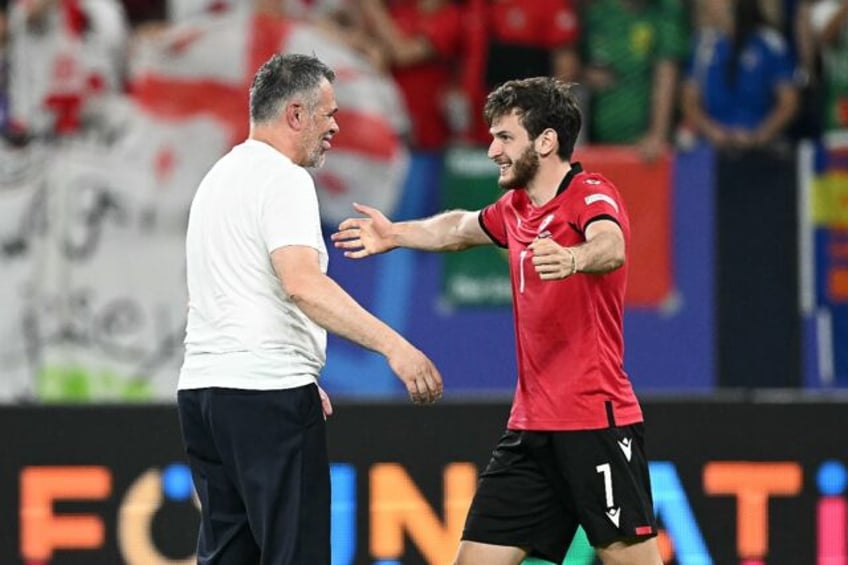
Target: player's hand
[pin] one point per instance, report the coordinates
(361, 237)
(326, 405)
(420, 376)
(552, 261)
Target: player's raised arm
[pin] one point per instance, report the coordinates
(454, 230)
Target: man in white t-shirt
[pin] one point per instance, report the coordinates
(260, 304)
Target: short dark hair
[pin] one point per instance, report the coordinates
(541, 103)
(283, 77)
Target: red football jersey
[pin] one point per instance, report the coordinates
(568, 332)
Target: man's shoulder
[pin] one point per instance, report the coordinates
(590, 180)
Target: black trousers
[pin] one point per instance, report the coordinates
(261, 471)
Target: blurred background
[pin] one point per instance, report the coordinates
(723, 122)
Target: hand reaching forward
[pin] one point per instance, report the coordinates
(416, 371)
(361, 237)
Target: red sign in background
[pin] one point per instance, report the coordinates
(646, 189)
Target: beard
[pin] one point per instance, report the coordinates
(315, 156)
(523, 170)
(315, 159)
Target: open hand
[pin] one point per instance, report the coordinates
(361, 237)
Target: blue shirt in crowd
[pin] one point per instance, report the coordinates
(764, 64)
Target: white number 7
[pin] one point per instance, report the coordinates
(606, 471)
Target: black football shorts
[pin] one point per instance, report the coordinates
(539, 486)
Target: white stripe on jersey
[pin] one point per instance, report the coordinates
(592, 198)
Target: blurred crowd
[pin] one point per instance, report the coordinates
(650, 73)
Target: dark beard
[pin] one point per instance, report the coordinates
(523, 170)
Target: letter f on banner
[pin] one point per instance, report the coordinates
(41, 530)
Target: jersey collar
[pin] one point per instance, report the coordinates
(576, 169)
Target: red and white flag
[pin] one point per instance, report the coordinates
(204, 67)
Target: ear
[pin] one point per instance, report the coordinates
(295, 114)
(547, 142)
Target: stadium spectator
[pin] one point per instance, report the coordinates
(740, 89)
(67, 56)
(422, 42)
(631, 51)
(740, 94)
(829, 19)
(514, 39)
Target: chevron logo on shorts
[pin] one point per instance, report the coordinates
(614, 514)
(626, 446)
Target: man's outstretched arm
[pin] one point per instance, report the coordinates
(329, 306)
(454, 230)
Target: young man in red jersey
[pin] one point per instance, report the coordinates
(573, 452)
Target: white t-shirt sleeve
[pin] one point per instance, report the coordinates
(290, 213)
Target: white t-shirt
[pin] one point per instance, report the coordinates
(243, 331)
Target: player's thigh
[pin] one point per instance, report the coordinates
(607, 474)
(516, 504)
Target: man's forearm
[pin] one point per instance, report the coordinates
(442, 232)
(328, 305)
(601, 254)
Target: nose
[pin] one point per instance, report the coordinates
(334, 127)
(494, 149)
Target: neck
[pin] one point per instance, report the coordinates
(543, 188)
(275, 139)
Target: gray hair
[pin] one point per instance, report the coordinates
(283, 77)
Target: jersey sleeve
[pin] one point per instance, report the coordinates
(290, 214)
(491, 219)
(598, 200)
